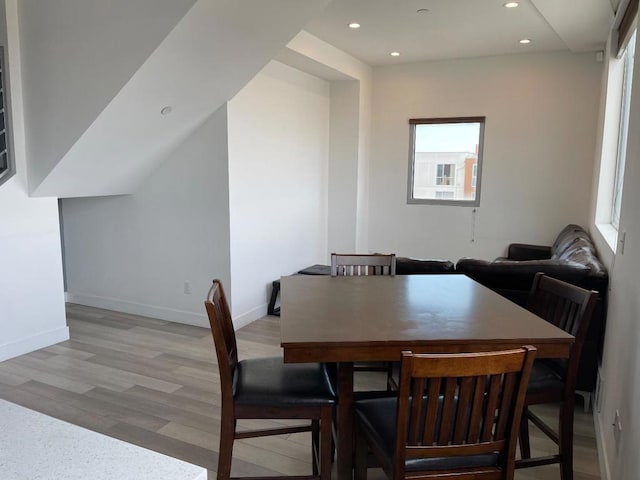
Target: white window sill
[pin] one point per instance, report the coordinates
(610, 235)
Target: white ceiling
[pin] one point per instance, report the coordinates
(461, 28)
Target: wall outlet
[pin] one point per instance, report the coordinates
(187, 287)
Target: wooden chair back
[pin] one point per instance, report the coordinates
(350, 265)
(567, 307)
(224, 337)
(461, 405)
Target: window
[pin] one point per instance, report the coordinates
(627, 80)
(6, 164)
(440, 195)
(445, 173)
(620, 60)
(445, 161)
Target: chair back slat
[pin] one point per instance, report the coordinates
(508, 385)
(448, 407)
(475, 420)
(433, 398)
(350, 265)
(490, 409)
(463, 411)
(224, 336)
(416, 409)
(461, 404)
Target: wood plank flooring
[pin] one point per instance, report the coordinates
(155, 384)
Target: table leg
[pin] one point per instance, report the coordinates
(345, 421)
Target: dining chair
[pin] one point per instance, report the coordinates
(455, 416)
(554, 381)
(354, 264)
(267, 388)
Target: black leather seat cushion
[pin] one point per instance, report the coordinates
(545, 378)
(378, 418)
(270, 382)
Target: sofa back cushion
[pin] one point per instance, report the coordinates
(574, 245)
(416, 266)
(568, 237)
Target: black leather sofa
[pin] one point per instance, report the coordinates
(573, 259)
(404, 266)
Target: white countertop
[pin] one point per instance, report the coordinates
(34, 446)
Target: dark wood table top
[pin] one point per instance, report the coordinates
(376, 317)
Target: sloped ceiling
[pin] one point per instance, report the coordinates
(111, 136)
(76, 56)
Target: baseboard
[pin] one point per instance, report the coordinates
(35, 342)
(250, 316)
(163, 313)
(603, 460)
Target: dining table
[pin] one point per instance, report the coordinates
(344, 320)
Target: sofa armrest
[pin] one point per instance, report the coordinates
(524, 251)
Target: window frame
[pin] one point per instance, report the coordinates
(10, 170)
(623, 130)
(412, 143)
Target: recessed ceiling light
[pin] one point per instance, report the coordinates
(422, 10)
(511, 4)
(354, 25)
(524, 41)
(395, 54)
(166, 110)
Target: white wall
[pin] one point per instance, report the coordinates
(620, 373)
(343, 166)
(541, 114)
(31, 289)
(278, 161)
(133, 253)
(350, 155)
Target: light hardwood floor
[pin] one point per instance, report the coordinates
(155, 384)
